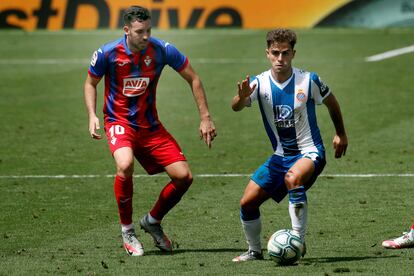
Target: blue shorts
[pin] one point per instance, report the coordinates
(270, 176)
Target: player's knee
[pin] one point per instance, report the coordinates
(292, 180)
(125, 168)
(248, 205)
(243, 203)
(183, 180)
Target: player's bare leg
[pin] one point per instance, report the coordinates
(123, 188)
(295, 179)
(181, 179)
(250, 203)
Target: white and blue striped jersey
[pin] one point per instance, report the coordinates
(288, 111)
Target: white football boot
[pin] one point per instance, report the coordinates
(131, 244)
(405, 241)
(249, 255)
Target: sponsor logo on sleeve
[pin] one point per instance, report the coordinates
(324, 88)
(135, 86)
(94, 58)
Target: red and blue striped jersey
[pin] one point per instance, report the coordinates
(131, 80)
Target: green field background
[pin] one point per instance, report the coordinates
(70, 226)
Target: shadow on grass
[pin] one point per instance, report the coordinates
(205, 250)
(343, 259)
(304, 261)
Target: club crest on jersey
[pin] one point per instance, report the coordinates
(147, 60)
(135, 86)
(123, 63)
(300, 96)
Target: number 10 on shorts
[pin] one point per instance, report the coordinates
(116, 130)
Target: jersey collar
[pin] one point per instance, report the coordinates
(128, 51)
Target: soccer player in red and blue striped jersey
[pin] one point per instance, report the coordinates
(132, 66)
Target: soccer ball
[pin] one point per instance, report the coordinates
(285, 247)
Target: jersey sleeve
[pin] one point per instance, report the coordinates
(97, 66)
(254, 95)
(175, 58)
(319, 89)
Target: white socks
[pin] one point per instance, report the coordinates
(252, 230)
(126, 227)
(152, 220)
(299, 216)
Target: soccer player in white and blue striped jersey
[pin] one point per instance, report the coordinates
(287, 98)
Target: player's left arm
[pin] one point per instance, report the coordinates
(340, 140)
(207, 129)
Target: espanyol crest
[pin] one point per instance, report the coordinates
(300, 96)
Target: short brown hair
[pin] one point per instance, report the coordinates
(136, 13)
(281, 35)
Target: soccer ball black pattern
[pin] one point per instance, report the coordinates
(285, 247)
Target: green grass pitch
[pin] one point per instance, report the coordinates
(70, 226)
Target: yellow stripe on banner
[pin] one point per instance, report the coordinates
(60, 14)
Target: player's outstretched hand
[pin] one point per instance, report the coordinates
(244, 88)
(94, 127)
(340, 144)
(207, 131)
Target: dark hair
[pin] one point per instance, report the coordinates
(281, 35)
(136, 13)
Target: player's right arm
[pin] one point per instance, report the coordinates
(90, 92)
(242, 98)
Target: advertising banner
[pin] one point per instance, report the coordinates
(184, 14)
